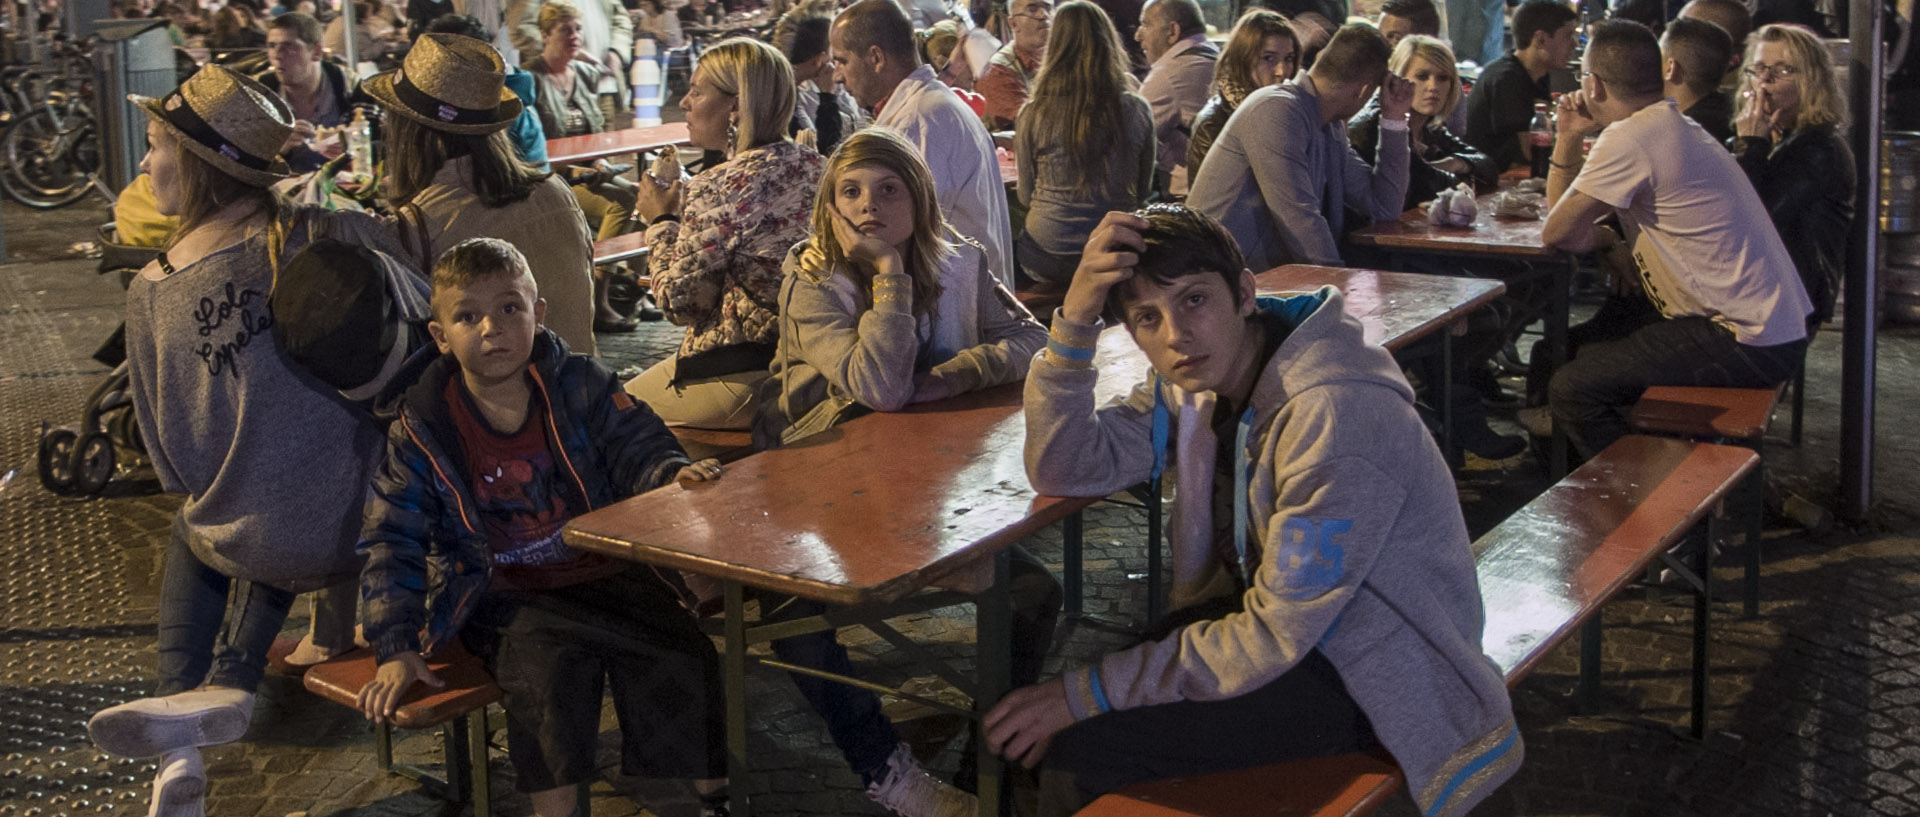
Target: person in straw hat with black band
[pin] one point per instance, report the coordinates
(272, 461)
(452, 174)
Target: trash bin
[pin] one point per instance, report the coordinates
(133, 57)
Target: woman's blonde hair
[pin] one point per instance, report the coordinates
(1821, 102)
(760, 79)
(1249, 35)
(1436, 54)
(553, 14)
(1078, 99)
(928, 249)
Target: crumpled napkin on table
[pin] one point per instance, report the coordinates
(1453, 207)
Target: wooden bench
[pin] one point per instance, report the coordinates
(1544, 572)
(1732, 416)
(459, 709)
(614, 249)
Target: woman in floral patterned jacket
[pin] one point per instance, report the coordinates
(716, 261)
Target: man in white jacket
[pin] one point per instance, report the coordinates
(876, 58)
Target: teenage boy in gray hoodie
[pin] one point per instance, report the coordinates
(1324, 595)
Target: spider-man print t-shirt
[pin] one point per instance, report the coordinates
(514, 480)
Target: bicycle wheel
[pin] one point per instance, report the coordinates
(50, 161)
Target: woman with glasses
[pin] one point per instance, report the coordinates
(1083, 143)
(1263, 50)
(1786, 136)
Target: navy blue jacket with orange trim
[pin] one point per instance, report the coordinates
(427, 555)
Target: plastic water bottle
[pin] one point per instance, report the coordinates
(1540, 139)
(360, 144)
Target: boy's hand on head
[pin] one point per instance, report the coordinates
(1396, 96)
(1021, 726)
(1112, 250)
(703, 471)
(381, 696)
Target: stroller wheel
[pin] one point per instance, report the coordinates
(92, 463)
(56, 459)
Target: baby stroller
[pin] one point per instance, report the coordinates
(79, 459)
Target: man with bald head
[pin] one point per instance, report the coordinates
(875, 57)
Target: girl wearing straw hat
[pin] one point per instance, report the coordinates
(452, 174)
(272, 461)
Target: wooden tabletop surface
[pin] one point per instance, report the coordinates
(591, 146)
(1491, 235)
(887, 503)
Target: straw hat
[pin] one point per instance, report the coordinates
(449, 83)
(233, 122)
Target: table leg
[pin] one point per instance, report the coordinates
(1445, 392)
(1073, 536)
(994, 617)
(734, 684)
(1559, 311)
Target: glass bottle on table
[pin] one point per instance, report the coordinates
(1540, 140)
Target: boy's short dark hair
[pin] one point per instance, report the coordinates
(303, 26)
(1179, 242)
(1421, 13)
(473, 260)
(1539, 16)
(1357, 52)
(1703, 48)
(1624, 56)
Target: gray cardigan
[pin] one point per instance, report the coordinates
(1061, 209)
(1278, 177)
(843, 347)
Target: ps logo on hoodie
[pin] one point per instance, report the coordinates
(1310, 561)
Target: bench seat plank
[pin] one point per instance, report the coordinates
(1698, 411)
(468, 686)
(1553, 563)
(1340, 786)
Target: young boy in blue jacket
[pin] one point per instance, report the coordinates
(1324, 595)
(502, 440)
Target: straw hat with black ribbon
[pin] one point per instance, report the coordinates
(234, 123)
(449, 83)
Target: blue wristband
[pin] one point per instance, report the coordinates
(1066, 352)
(1099, 690)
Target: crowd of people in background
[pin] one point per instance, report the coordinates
(847, 245)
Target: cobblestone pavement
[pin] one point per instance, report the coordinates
(1815, 704)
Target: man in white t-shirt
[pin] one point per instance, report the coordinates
(1731, 309)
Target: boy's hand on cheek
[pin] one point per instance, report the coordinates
(1112, 250)
(703, 471)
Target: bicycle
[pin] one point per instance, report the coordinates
(51, 148)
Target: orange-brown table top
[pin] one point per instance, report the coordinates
(882, 505)
(1491, 235)
(591, 146)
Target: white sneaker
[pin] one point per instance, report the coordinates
(180, 789)
(909, 791)
(154, 726)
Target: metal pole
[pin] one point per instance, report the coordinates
(1858, 352)
(351, 27)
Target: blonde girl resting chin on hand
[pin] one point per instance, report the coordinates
(885, 305)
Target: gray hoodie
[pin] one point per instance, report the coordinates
(1354, 525)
